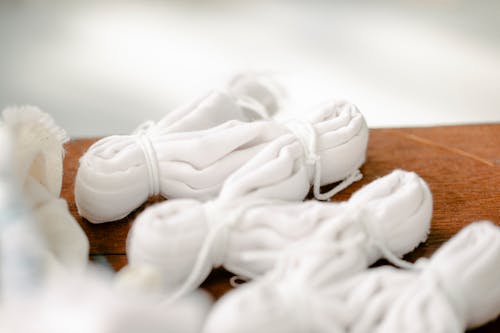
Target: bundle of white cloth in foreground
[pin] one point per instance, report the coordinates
(456, 289)
(37, 158)
(87, 303)
(184, 239)
(178, 158)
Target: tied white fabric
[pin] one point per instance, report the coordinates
(377, 238)
(176, 158)
(305, 132)
(368, 239)
(214, 249)
(184, 239)
(143, 137)
(454, 290)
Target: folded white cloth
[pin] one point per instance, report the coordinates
(178, 159)
(185, 239)
(38, 155)
(89, 304)
(456, 289)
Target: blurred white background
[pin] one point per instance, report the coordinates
(102, 67)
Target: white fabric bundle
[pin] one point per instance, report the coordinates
(38, 155)
(456, 289)
(180, 157)
(88, 304)
(184, 239)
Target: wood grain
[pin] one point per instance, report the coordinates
(461, 164)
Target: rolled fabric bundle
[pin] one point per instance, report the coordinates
(88, 304)
(109, 164)
(185, 239)
(119, 173)
(454, 290)
(38, 155)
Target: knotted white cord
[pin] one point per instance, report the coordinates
(378, 240)
(304, 131)
(215, 243)
(153, 169)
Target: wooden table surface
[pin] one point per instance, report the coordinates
(461, 164)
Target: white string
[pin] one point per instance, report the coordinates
(152, 165)
(306, 134)
(377, 239)
(215, 244)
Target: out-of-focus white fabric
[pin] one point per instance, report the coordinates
(38, 155)
(454, 290)
(88, 303)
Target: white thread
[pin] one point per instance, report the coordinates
(304, 131)
(216, 238)
(378, 240)
(153, 169)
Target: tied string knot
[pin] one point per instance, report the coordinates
(143, 135)
(305, 132)
(432, 278)
(220, 219)
(374, 236)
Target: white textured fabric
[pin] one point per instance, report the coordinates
(185, 238)
(178, 159)
(38, 155)
(88, 304)
(456, 289)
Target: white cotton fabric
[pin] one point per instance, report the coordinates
(191, 154)
(89, 304)
(38, 155)
(456, 289)
(185, 239)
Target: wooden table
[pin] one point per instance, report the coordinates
(461, 164)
